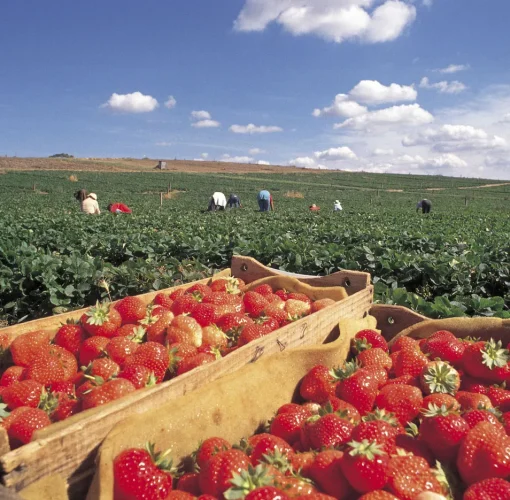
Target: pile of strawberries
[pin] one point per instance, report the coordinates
(426, 419)
(116, 349)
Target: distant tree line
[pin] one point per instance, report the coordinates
(61, 155)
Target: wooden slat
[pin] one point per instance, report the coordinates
(68, 448)
(393, 319)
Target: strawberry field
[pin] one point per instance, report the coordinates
(452, 262)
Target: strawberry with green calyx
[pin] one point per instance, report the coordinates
(155, 324)
(105, 368)
(329, 431)
(185, 304)
(410, 444)
(199, 291)
(443, 430)
(208, 448)
(297, 309)
(472, 400)
(375, 357)
(409, 361)
(440, 399)
(102, 320)
(247, 481)
(288, 425)
(214, 336)
(267, 444)
(402, 400)
(131, 309)
(153, 356)
(52, 364)
(378, 414)
(229, 285)
(184, 329)
(445, 346)
(281, 461)
(342, 408)
(365, 465)
(439, 377)
(318, 385)
(254, 303)
(499, 397)
(106, 392)
(139, 376)
(70, 336)
(142, 473)
(368, 339)
(382, 433)
(232, 325)
(119, 349)
(177, 352)
(24, 393)
(92, 348)
(491, 415)
(487, 361)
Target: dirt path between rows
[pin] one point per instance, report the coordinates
(486, 186)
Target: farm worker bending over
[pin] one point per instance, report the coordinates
(337, 207)
(119, 208)
(314, 208)
(89, 205)
(218, 202)
(234, 201)
(425, 205)
(265, 201)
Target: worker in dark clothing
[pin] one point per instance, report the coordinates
(425, 205)
(234, 201)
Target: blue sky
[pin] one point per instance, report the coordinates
(269, 63)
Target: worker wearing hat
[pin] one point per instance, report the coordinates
(89, 205)
(337, 207)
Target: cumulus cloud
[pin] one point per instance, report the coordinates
(373, 92)
(256, 151)
(410, 114)
(170, 103)
(203, 119)
(237, 159)
(453, 68)
(307, 162)
(383, 152)
(254, 129)
(335, 21)
(444, 87)
(131, 103)
(447, 160)
(341, 106)
(506, 118)
(262, 162)
(343, 153)
(451, 138)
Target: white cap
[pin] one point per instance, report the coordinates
(336, 201)
(93, 196)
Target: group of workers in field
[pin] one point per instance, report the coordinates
(218, 201)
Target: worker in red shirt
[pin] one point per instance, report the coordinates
(314, 208)
(119, 208)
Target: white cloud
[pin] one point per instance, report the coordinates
(373, 92)
(341, 106)
(254, 129)
(307, 162)
(200, 115)
(256, 151)
(451, 138)
(205, 156)
(444, 87)
(423, 165)
(410, 114)
(206, 124)
(453, 68)
(343, 153)
(332, 20)
(383, 152)
(497, 161)
(203, 119)
(237, 159)
(506, 118)
(131, 103)
(170, 103)
(262, 162)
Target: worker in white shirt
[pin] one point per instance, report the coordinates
(89, 205)
(218, 202)
(337, 207)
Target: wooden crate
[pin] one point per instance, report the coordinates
(234, 406)
(69, 448)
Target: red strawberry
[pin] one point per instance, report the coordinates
(326, 472)
(443, 430)
(365, 466)
(192, 362)
(177, 293)
(205, 314)
(288, 425)
(263, 289)
(185, 329)
(276, 312)
(66, 407)
(254, 304)
(299, 296)
(217, 473)
(489, 489)
(296, 309)
(8, 418)
(473, 417)
(439, 377)
(301, 463)
(378, 495)
(271, 323)
(413, 445)
(199, 291)
(405, 380)
(185, 304)
(52, 364)
(27, 346)
(402, 400)
(318, 385)
(12, 375)
(225, 303)
(441, 399)
(107, 392)
(142, 474)
(131, 309)
(409, 476)
(356, 386)
(139, 376)
(342, 408)
(282, 294)
(214, 337)
(188, 483)
(163, 300)
(404, 342)
(410, 361)
(120, 348)
(483, 454)
(252, 332)
(268, 444)
(209, 448)
(375, 357)
(329, 431)
(155, 325)
(267, 493)
(321, 304)
(26, 423)
(499, 397)
(92, 348)
(70, 336)
(24, 393)
(105, 368)
(179, 495)
(380, 432)
(472, 400)
(153, 356)
(487, 361)
(233, 323)
(102, 320)
(445, 346)
(471, 384)
(366, 339)
(127, 330)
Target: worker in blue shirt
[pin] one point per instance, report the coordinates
(265, 201)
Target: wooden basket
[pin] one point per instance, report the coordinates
(69, 448)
